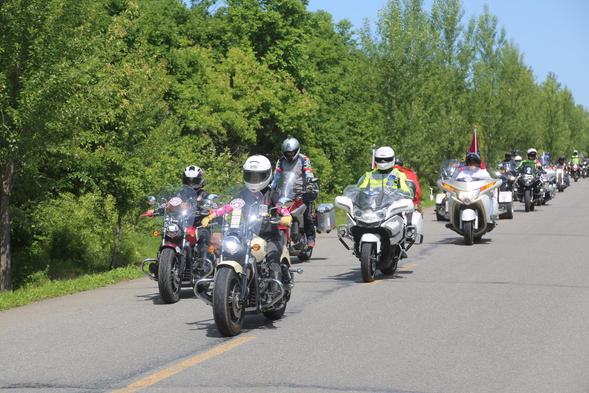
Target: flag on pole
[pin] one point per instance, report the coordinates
(474, 147)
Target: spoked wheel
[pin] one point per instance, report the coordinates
(169, 276)
(368, 261)
(227, 310)
(305, 255)
(468, 233)
(528, 200)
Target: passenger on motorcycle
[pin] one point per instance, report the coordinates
(384, 158)
(257, 175)
(411, 175)
(292, 161)
(472, 171)
(531, 161)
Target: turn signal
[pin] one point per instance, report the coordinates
(156, 233)
(256, 247)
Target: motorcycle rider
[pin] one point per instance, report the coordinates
(575, 158)
(384, 158)
(292, 161)
(531, 161)
(517, 160)
(561, 163)
(472, 171)
(508, 163)
(257, 175)
(411, 175)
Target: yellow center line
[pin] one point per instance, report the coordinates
(152, 379)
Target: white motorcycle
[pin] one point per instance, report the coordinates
(447, 168)
(473, 206)
(382, 223)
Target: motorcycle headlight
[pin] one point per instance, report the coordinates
(370, 215)
(468, 196)
(172, 230)
(358, 213)
(232, 246)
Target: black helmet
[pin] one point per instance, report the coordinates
(193, 177)
(508, 156)
(398, 161)
(561, 159)
(472, 158)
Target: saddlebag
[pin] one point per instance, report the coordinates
(325, 217)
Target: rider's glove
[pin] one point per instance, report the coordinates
(205, 221)
(286, 220)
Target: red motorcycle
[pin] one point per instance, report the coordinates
(181, 259)
(575, 171)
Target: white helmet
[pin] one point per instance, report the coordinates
(257, 173)
(518, 158)
(384, 158)
(291, 149)
(193, 177)
(532, 151)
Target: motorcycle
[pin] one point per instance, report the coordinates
(382, 224)
(529, 187)
(447, 168)
(548, 184)
(295, 236)
(507, 174)
(575, 171)
(560, 177)
(181, 259)
(473, 207)
(241, 284)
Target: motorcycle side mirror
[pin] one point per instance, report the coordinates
(313, 180)
(151, 200)
(435, 172)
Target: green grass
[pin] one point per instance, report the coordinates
(50, 289)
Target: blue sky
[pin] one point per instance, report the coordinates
(552, 35)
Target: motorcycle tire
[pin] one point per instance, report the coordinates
(227, 310)
(509, 211)
(395, 262)
(440, 217)
(528, 200)
(468, 228)
(277, 313)
(169, 276)
(368, 261)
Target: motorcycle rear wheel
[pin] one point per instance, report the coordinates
(169, 276)
(368, 261)
(227, 310)
(307, 251)
(468, 233)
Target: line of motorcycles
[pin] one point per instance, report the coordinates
(229, 273)
(474, 208)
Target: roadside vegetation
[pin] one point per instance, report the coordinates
(105, 102)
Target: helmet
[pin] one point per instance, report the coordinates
(398, 161)
(257, 173)
(384, 158)
(575, 152)
(517, 159)
(561, 159)
(472, 158)
(290, 149)
(193, 177)
(508, 156)
(532, 152)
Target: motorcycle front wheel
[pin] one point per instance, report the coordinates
(169, 277)
(227, 310)
(368, 261)
(468, 232)
(528, 200)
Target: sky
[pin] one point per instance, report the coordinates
(552, 35)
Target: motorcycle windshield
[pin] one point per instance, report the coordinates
(375, 194)
(247, 212)
(285, 186)
(179, 202)
(447, 168)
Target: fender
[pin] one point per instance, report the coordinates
(234, 265)
(440, 198)
(371, 238)
(172, 245)
(469, 215)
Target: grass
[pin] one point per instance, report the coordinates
(51, 289)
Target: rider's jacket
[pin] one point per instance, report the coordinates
(301, 167)
(395, 179)
(468, 173)
(529, 163)
(575, 159)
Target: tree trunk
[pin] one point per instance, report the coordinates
(5, 256)
(117, 239)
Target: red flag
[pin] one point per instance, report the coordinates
(474, 147)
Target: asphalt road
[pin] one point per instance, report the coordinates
(508, 314)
